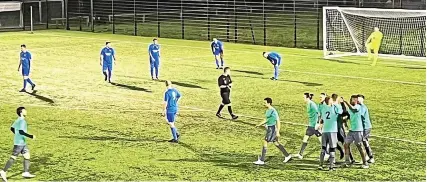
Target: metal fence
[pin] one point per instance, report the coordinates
(288, 23)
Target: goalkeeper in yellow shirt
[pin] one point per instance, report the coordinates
(374, 43)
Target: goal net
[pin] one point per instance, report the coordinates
(346, 30)
(11, 15)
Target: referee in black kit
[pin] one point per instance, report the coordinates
(224, 83)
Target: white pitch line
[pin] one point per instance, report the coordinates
(299, 124)
(102, 109)
(296, 55)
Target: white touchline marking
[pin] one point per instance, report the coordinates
(323, 74)
(299, 124)
(195, 109)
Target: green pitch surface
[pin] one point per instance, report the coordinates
(88, 129)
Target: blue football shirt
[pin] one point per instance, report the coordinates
(107, 54)
(25, 59)
(172, 96)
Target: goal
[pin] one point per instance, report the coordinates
(345, 31)
(11, 15)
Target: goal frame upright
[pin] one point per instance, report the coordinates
(327, 53)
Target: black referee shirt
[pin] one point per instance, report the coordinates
(224, 80)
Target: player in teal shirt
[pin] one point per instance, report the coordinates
(330, 113)
(272, 124)
(355, 135)
(367, 126)
(20, 130)
(313, 119)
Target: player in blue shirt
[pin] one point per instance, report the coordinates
(154, 52)
(25, 61)
(106, 60)
(218, 51)
(274, 59)
(170, 109)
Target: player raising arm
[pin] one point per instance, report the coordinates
(367, 126)
(218, 51)
(19, 129)
(355, 135)
(25, 61)
(274, 59)
(373, 44)
(272, 124)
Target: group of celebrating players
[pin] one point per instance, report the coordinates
(327, 120)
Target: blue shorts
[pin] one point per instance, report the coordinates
(170, 116)
(217, 53)
(25, 71)
(107, 66)
(154, 63)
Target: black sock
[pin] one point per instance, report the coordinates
(230, 110)
(105, 75)
(368, 149)
(220, 108)
(341, 151)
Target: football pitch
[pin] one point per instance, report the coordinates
(88, 129)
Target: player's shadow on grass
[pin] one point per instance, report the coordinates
(343, 62)
(114, 138)
(38, 162)
(130, 87)
(408, 67)
(248, 72)
(311, 84)
(188, 85)
(40, 97)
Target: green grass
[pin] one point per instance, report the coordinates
(89, 130)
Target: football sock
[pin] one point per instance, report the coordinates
(263, 152)
(220, 108)
(29, 81)
(304, 145)
(8, 164)
(26, 165)
(230, 110)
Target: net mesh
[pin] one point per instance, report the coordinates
(347, 29)
(10, 15)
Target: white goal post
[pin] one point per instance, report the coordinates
(345, 31)
(11, 14)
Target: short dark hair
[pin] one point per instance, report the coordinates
(269, 100)
(323, 94)
(23, 45)
(168, 83)
(308, 95)
(354, 96)
(360, 95)
(327, 100)
(334, 97)
(226, 68)
(107, 43)
(263, 53)
(19, 110)
(154, 39)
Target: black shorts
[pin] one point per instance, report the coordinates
(341, 135)
(225, 98)
(312, 131)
